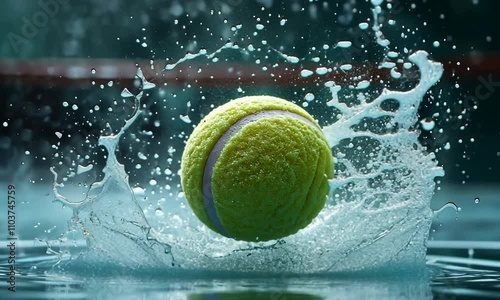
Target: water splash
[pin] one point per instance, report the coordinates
(110, 217)
(378, 211)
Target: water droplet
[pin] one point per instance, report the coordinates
(146, 85)
(427, 124)
(387, 65)
(82, 169)
(159, 212)
(471, 253)
(363, 85)
(292, 59)
(363, 26)
(436, 44)
(383, 42)
(185, 118)
(395, 74)
(477, 200)
(322, 70)
(392, 54)
(346, 67)
(142, 156)
(306, 73)
(309, 97)
(126, 93)
(93, 71)
(171, 150)
(407, 65)
(344, 44)
(139, 191)
(5, 124)
(446, 206)
(259, 26)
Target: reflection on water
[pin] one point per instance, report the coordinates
(252, 295)
(213, 286)
(446, 278)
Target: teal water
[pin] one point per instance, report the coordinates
(116, 260)
(445, 277)
(456, 269)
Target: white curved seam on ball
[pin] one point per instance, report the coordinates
(216, 151)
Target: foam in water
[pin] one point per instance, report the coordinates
(378, 211)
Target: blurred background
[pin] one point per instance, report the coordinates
(64, 63)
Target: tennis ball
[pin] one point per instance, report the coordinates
(257, 169)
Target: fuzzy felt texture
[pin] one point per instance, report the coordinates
(271, 178)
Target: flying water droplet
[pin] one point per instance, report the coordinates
(306, 73)
(309, 97)
(471, 253)
(363, 26)
(83, 169)
(139, 191)
(126, 93)
(322, 70)
(446, 206)
(427, 124)
(346, 67)
(293, 59)
(395, 74)
(185, 118)
(363, 85)
(344, 44)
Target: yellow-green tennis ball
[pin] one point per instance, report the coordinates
(257, 169)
